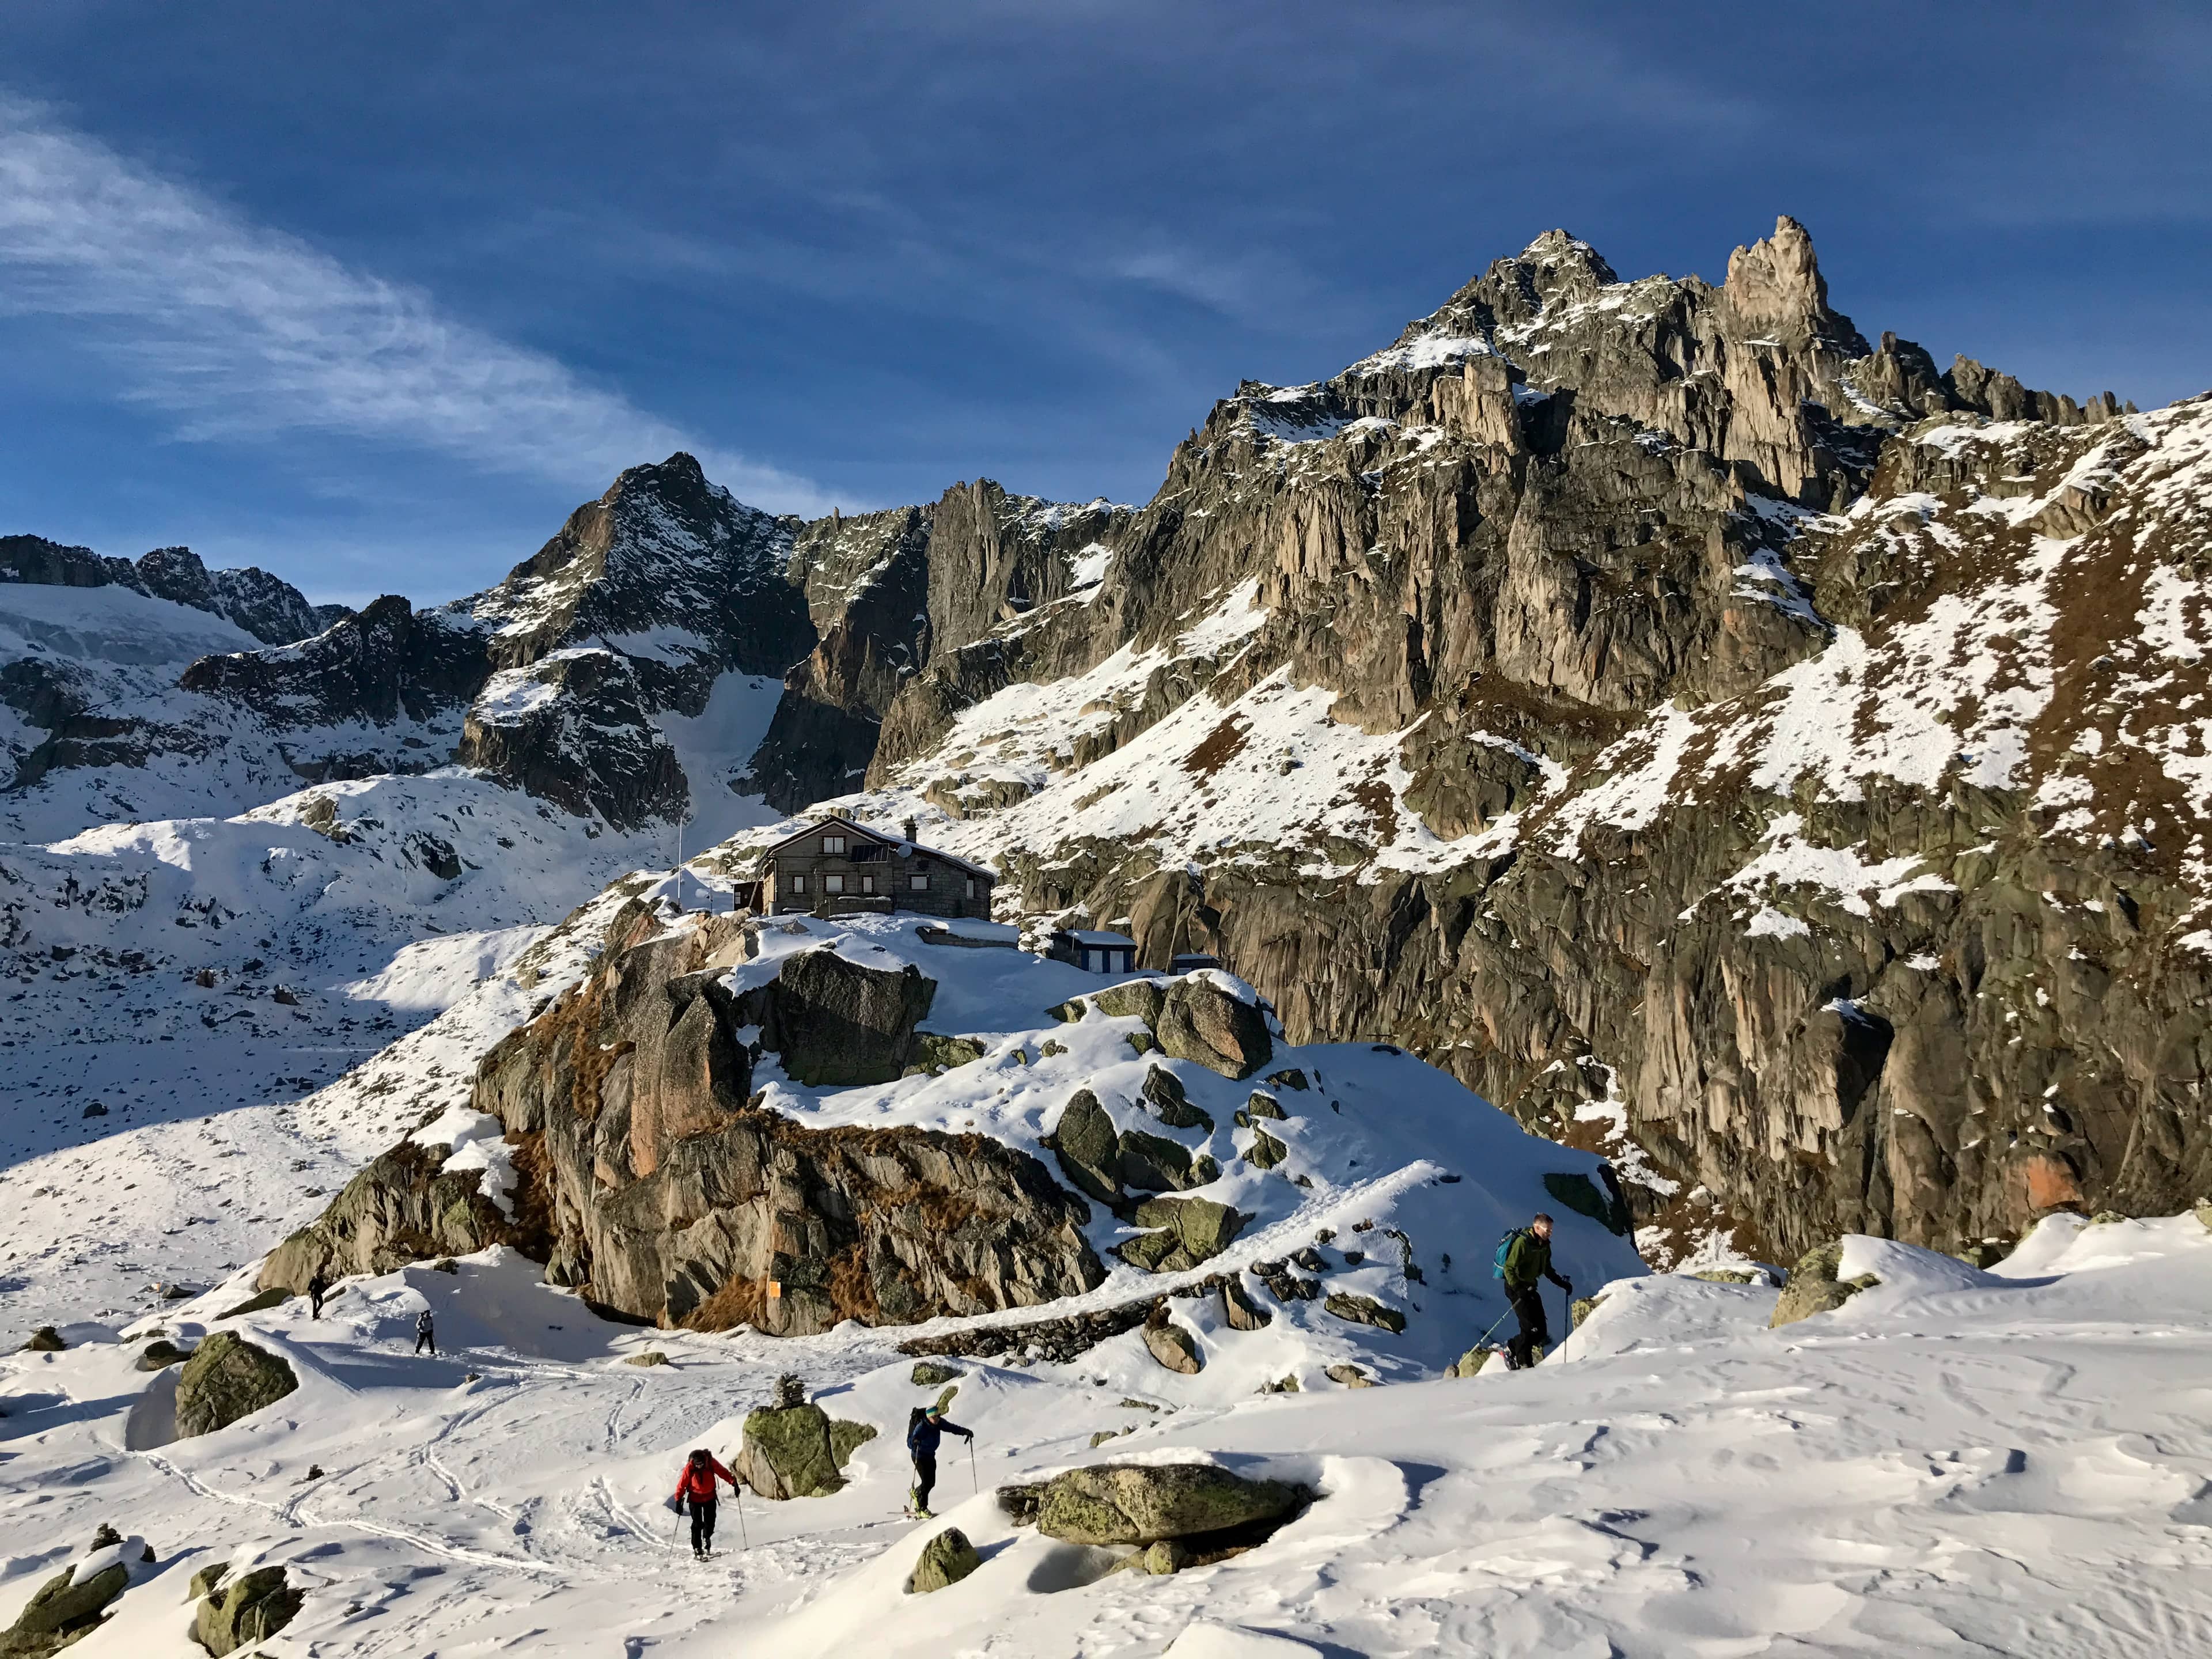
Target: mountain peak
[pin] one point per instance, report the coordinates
(1775, 286)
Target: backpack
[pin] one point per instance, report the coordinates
(1504, 1250)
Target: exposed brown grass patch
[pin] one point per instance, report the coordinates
(1219, 747)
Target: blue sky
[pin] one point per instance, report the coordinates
(373, 296)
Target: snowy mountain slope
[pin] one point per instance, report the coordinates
(1681, 1485)
(182, 990)
(578, 678)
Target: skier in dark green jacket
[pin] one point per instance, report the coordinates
(1526, 1260)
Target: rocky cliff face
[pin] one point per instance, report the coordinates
(1707, 734)
(651, 1180)
(892, 591)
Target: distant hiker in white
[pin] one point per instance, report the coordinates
(426, 1333)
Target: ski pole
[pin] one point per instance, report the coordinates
(974, 1486)
(738, 1497)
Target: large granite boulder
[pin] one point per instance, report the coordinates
(1190, 1231)
(403, 1206)
(1087, 1149)
(68, 1606)
(1137, 998)
(1108, 1166)
(1174, 1347)
(225, 1379)
(1813, 1287)
(837, 1021)
(796, 1449)
(1154, 1164)
(1196, 1017)
(249, 1608)
(1141, 1503)
(1202, 1019)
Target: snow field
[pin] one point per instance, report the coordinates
(1955, 1462)
(148, 961)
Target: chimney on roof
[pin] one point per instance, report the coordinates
(910, 826)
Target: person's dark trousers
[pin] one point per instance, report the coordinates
(702, 1524)
(1535, 1335)
(426, 1339)
(925, 1477)
(316, 1297)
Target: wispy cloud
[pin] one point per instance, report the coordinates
(236, 330)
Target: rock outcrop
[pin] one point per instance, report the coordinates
(1814, 1286)
(74, 1603)
(401, 1207)
(235, 1612)
(649, 1180)
(225, 1379)
(946, 1559)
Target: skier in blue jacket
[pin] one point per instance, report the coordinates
(932, 1426)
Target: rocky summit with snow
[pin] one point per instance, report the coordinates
(1642, 752)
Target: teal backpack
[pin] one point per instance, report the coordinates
(1504, 1250)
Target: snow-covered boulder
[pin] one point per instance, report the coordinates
(69, 1604)
(250, 1607)
(838, 1021)
(1142, 1503)
(1814, 1286)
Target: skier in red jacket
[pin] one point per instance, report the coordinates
(695, 1487)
